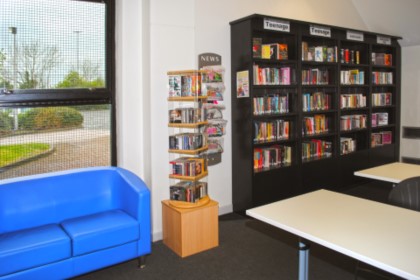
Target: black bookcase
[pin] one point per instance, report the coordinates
(341, 88)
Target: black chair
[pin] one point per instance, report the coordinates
(406, 194)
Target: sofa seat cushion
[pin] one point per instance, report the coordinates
(100, 231)
(33, 247)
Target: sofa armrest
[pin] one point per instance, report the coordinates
(134, 198)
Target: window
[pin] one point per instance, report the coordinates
(57, 85)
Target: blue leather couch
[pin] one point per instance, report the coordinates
(62, 224)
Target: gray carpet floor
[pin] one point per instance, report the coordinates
(248, 249)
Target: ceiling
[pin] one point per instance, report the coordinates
(393, 17)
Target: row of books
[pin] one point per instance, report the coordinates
(271, 130)
(187, 115)
(272, 157)
(319, 53)
(316, 124)
(350, 122)
(382, 78)
(349, 56)
(347, 145)
(379, 119)
(277, 51)
(352, 100)
(352, 77)
(316, 148)
(315, 77)
(187, 141)
(382, 59)
(184, 85)
(380, 138)
(316, 101)
(272, 76)
(382, 99)
(188, 191)
(271, 104)
(188, 166)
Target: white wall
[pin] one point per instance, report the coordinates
(132, 87)
(410, 98)
(172, 48)
(156, 36)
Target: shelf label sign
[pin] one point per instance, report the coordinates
(277, 25)
(320, 31)
(355, 36)
(384, 40)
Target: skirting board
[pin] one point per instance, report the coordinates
(157, 236)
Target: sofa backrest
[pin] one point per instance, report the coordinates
(32, 201)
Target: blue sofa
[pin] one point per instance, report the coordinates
(62, 224)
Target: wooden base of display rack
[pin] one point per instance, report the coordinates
(190, 228)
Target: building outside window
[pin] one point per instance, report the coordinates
(57, 85)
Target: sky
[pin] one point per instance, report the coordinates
(76, 28)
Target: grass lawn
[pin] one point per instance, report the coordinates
(13, 153)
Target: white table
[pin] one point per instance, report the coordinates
(378, 234)
(392, 172)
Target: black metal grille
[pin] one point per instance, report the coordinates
(47, 44)
(43, 139)
(56, 85)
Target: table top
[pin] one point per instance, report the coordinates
(382, 235)
(392, 172)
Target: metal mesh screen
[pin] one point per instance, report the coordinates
(48, 44)
(44, 45)
(45, 139)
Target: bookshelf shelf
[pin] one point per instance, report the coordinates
(314, 112)
(385, 67)
(316, 63)
(345, 110)
(281, 115)
(317, 135)
(318, 86)
(189, 152)
(188, 125)
(353, 130)
(271, 168)
(383, 126)
(189, 178)
(383, 107)
(332, 83)
(187, 98)
(308, 160)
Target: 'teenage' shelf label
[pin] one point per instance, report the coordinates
(355, 36)
(320, 31)
(384, 40)
(277, 25)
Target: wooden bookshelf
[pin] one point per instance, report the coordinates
(189, 216)
(327, 62)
